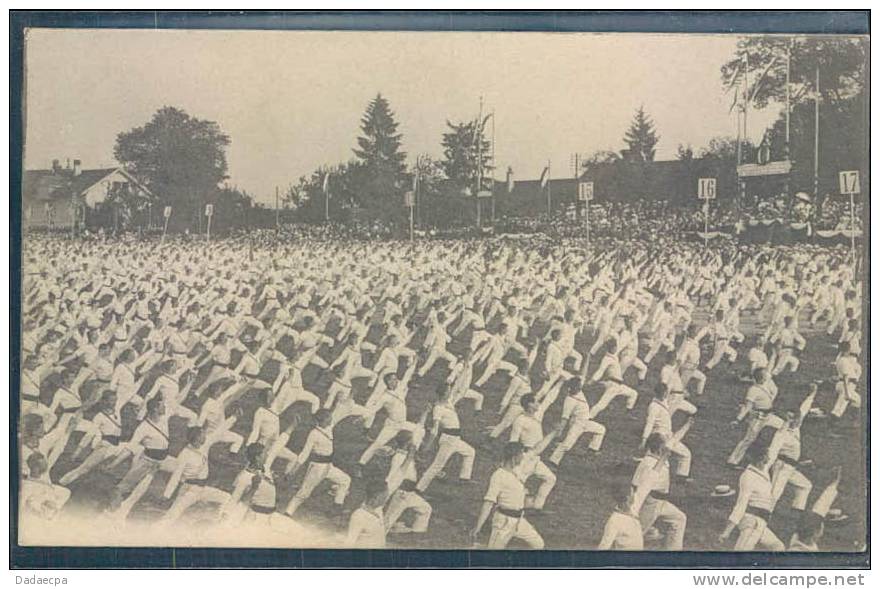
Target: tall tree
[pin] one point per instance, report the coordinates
(841, 62)
(380, 168)
(842, 98)
(180, 158)
(379, 145)
(641, 138)
(464, 147)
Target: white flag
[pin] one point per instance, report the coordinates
(545, 177)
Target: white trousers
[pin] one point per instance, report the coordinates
(402, 501)
(754, 533)
(449, 446)
(506, 528)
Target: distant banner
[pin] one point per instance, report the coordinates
(830, 233)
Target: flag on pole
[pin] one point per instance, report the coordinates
(735, 82)
(485, 120)
(760, 80)
(734, 79)
(735, 101)
(415, 184)
(326, 184)
(510, 180)
(545, 177)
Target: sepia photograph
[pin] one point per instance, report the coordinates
(443, 290)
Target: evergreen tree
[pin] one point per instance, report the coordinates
(379, 146)
(641, 138)
(379, 170)
(461, 154)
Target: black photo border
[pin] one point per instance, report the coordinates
(655, 21)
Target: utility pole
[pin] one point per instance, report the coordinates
(816, 142)
(479, 187)
(746, 102)
(494, 166)
(277, 219)
(549, 197)
(788, 98)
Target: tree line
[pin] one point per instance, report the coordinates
(182, 159)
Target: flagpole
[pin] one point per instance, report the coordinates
(788, 98)
(277, 220)
(549, 198)
(416, 200)
(326, 199)
(816, 143)
(746, 102)
(494, 165)
(479, 186)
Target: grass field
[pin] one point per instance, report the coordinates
(580, 503)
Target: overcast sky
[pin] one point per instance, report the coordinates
(292, 101)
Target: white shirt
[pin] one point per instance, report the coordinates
(670, 376)
(653, 478)
(527, 430)
(576, 408)
(659, 419)
(506, 490)
(755, 490)
(319, 442)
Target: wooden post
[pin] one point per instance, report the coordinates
(852, 230)
(706, 215)
(549, 197)
(816, 144)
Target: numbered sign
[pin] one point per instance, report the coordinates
(849, 182)
(167, 212)
(209, 210)
(409, 198)
(585, 191)
(706, 188)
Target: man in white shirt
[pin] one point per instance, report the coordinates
(576, 415)
(404, 494)
(318, 455)
(623, 529)
(785, 453)
(38, 496)
(505, 500)
(447, 431)
(366, 527)
(610, 374)
(754, 505)
(787, 340)
(755, 411)
(656, 506)
(849, 374)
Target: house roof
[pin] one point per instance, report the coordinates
(49, 185)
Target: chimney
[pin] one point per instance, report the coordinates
(56, 166)
(77, 167)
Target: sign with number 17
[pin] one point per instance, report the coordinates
(849, 182)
